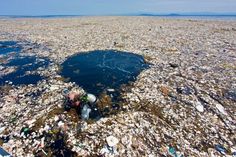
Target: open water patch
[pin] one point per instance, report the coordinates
(22, 70)
(17, 69)
(102, 73)
(99, 70)
(9, 46)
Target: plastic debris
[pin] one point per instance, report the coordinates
(221, 109)
(233, 150)
(184, 90)
(30, 123)
(91, 98)
(199, 107)
(231, 94)
(2, 129)
(110, 151)
(56, 118)
(65, 91)
(172, 151)
(25, 131)
(60, 124)
(199, 69)
(107, 150)
(4, 153)
(173, 65)
(44, 152)
(5, 138)
(81, 126)
(85, 112)
(54, 87)
(220, 149)
(47, 128)
(111, 90)
(112, 141)
(234, 154)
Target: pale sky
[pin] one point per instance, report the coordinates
(110, 7)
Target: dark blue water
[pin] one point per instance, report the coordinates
(9, 46)
(24, 64)
(98, 71)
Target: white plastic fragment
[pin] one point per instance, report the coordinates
(56, 118)
(221, 109)
(112, 141)
(91, 98)
(199, 107)
(111, 90)
(2, 129)
(60, 124)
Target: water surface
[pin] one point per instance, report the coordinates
(97, 71)
(8, 47)
(24, 65)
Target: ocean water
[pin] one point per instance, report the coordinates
(22, 64)
(8, 47)
(195, 17)
(98, 71)
(170, 16)
(102, 73)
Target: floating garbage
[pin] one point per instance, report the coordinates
(108, 151)
(199, 107)
(220, 149)
(221, 109)
(2, 129)
(91, 98)
(5, 138)
(110, 90)
(112, 141)
(4, 153)
(85, 112)
(65, 92)
(233, 150)
(110, 148)
(25, 131)
(173, 65)
(234, 154)
(184, 90)
(172, 151)
(231, 94)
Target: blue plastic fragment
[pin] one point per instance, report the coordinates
(172, 151)
(220, 149)
(234, 154)
(4, 153)
(65, 91)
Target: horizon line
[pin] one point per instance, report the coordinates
(130, 14)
